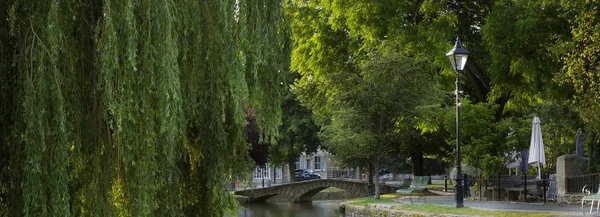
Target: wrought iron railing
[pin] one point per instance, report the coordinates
(335, 173)
(537, 188)
(575, 184)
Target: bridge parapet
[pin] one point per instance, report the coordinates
(304, 191)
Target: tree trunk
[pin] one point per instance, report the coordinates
(292, 163)
(377, 192)
(417, 163)
(477, 80)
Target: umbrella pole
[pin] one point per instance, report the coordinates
(539, 171)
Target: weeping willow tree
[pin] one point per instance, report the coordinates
(133, 108)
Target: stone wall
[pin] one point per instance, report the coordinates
(384, 211)
(569, 199)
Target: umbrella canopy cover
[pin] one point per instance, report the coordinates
(579, 143)
(536, 147)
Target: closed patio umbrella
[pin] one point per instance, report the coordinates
(536, 147)
(524, 156)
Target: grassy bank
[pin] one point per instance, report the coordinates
(438, 209)
(430, 208)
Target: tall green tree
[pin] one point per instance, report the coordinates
(579, 55)
(298, 133)
(133, 108)
(333, 41)
(373, 118)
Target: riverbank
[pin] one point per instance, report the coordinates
(388, 210)
(444, 206)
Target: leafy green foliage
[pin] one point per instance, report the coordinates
(375, 118)
(127, 108)
(298, 132)
(45, 148)
(579, 54)
(335, 42)
(559, 127)
(260, 148)
(486, 143)
(133, 108)
(519, 35)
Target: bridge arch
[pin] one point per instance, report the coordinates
(304, 191)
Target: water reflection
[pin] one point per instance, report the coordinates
(315, 209)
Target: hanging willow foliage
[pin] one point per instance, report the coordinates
(46, 66)
(139, 80)
(134, 108)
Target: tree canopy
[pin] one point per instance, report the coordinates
(137, 108)
(297, 133)
(527, 58)
(133, 108)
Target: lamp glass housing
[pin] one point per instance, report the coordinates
(458, 56)
(458, 61)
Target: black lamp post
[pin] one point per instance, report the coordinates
(458, 58)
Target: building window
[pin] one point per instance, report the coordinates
(278, 173)
(297, 163)
(307, 163)
(317, 163)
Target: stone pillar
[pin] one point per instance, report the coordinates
(567, 166)
(285, 174)
(272, 175)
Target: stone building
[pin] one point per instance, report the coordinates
(318, 162)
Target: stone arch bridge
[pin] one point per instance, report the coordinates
(304, 191)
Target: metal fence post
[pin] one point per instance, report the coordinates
(445, 183)
(525, 184)
(465, 186)
(498, 191)
(544, 183)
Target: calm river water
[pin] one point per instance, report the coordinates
(325, 208)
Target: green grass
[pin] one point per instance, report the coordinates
(438, 184)
(426, 193)
(370, 200)
(332, 189)
(430, 208)
(384, 198)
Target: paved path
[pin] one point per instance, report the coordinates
(501, 205)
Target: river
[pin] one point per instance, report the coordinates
(323, 208)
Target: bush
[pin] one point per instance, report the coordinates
(466, 169)
(341, 210)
